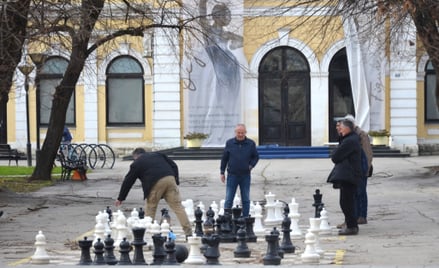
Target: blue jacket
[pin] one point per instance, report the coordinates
(239, 157)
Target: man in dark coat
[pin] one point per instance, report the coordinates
(159, 177)
(347, 173)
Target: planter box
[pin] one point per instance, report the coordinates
(194, 143)
(380, 140)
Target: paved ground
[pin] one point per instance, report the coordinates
(403, 210)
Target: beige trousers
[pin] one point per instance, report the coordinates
(167, 189)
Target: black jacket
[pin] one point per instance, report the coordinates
(347, 160)
(148, 168)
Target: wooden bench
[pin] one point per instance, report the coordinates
(68, 165)
(6, 152)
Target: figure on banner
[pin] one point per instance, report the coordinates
(219, 81)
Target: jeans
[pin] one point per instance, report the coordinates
(243, 181)
(361, 198)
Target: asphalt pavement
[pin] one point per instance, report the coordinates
(402, 227)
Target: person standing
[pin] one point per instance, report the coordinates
(159, 177)
(361, 195)
(239, 157)
(346, 174)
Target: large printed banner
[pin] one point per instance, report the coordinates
(213, 70)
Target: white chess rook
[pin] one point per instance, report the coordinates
(194, 256)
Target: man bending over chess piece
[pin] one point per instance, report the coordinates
(159, 177)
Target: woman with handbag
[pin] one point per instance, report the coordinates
(346, 174)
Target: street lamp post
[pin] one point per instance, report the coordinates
(38, 59)
(26, 70)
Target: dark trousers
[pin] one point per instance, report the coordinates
(347, 204)
(361, 198)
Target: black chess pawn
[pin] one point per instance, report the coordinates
(272, 257)
(165, 216)
(280, 252)
(159, 253)
(110, 213)
(286, 244)
(124, 249)
(251, 236)
(198, 222)
(210, 215)
(226, 234)
(109, 257)
(242, 250)
(85, 246)
(141, 213)
(318, 205)
(99, 253)
(138, 244)
(211, 253)
(171, 258)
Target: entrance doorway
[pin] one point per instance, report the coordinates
(284, 98)
(340, 92)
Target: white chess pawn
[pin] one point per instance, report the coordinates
(310, 255)
(164, 227)
(155, 228)
(131, 221)
(40, 256)
(194, 256)
(325, 229)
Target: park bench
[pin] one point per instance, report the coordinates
(6, 152)
(69, 164)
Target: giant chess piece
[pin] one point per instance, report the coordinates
(188, 205)
(124, 249)
(99, 252)
(198, 222)
(170, 253)
(159, 253)
(138, 244)
(249, 222)
(165, 216)
(236, 212)
(258, 227)
(310, 255)
(109, 257)
(110, 213)
(226, 235)
(242, 250)
(286, 244)
(280, 251)
(100, 229)
(194, 256)
(141, 213)
(85, 246)
(272, 256)
(270, 207)
(315, 229)
(40, 256)
(212, 252)
(295, 216)
(325, 228)
(181, 253)
(318, 205)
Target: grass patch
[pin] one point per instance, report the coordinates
(15, 179)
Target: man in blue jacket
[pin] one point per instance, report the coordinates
(159, 177)
(239, 157)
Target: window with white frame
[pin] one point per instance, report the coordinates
(125, 92)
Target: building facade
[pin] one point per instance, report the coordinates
(260, 66)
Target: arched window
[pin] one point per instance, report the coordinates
(125, 92)
(50, 76)
(431, 105)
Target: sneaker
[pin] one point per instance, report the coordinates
(362, 220)
(348, 231)
(341, 225)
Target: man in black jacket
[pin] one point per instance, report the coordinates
(347, 173)
(159, 177)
